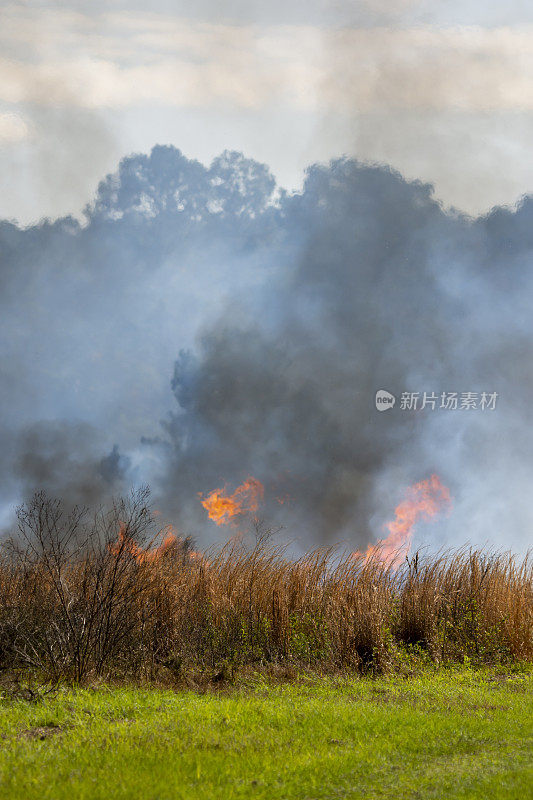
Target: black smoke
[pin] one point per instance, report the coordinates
(288, 313)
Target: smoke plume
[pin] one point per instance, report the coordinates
(217, 328)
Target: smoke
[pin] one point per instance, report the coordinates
(54, 168)
(285, 313)
(387, 291)
(62, 458)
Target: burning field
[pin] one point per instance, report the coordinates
(265, 402)
(132, 661)
(424, 500)
(113, 595)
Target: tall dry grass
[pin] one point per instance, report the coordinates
(85, 596)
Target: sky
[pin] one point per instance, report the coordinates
(442, 91)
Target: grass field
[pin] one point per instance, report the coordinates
(458, 733)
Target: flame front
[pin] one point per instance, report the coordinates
(424, 500)
(223, 508)
(147, 555)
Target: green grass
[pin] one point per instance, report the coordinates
(447, 734)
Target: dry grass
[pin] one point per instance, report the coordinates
(77, 601)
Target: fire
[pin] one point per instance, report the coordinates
(223, 508)
(424, 500)
(169, 540)
(147, 555)
(125, 543)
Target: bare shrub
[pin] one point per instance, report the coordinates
(70, 586)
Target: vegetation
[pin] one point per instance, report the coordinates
(109, 597)
(449, 733)
(132, 666)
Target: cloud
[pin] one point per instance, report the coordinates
(13, 128)
(125, 59)
(361, 13)
(469, 69)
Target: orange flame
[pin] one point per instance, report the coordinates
(424, 500)
(125, 544)
(222, 508)
(147, 555)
